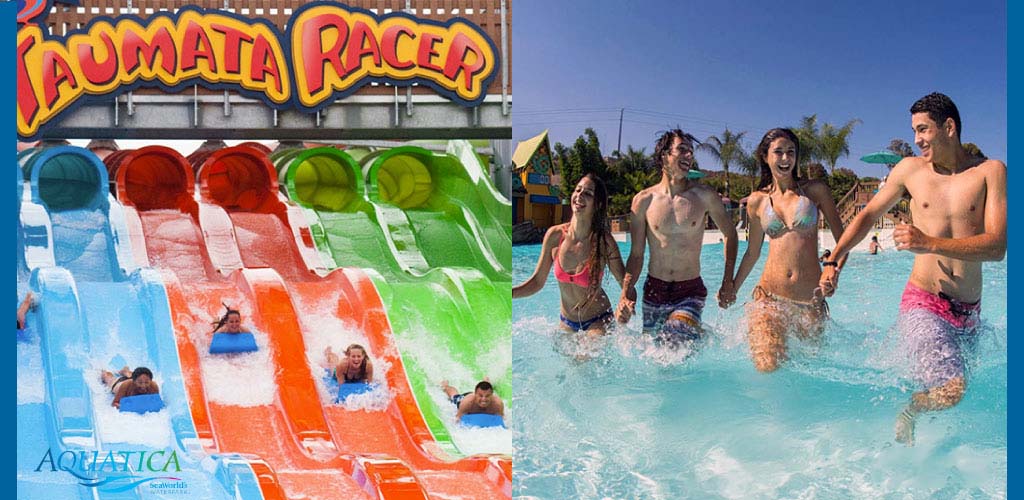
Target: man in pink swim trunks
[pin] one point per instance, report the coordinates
(958, 208)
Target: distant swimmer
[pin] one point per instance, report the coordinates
(874, 247)
(26, 305)
(825, 256)
(670, 217)
(958, 205)
(481, 400)
(354, 367)
(579, 251)
(129, 383)
(787, 300)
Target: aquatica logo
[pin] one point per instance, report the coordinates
(117, 471)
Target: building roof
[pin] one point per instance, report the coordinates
(525, 149)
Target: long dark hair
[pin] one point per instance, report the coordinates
(762, 151)
(224, 319)
(599, 232)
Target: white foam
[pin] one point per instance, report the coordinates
(377, 399)
(322, 329)
(472, 440)
(114, 426)
(243, 379)
(437, 362)
(31, 377)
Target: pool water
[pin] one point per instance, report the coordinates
(624, 418)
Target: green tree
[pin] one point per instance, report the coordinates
(727, 149)
(900, 147)
(973, 150)
(634, 161)
(635, 171)
(565, 168)
(749, 165)
(810, 143)
(817, 171)
(841, 182)
(582, 158)
(834, 143)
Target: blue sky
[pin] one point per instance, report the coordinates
(752, 66)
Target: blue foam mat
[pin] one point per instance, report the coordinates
(482, 420)
(223, 343)
(143, 403)
(346, 390)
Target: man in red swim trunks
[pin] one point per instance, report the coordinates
(958, 207)
(670, 218)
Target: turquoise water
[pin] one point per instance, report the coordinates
(622, 419)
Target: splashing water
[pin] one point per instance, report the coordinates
(623, 417)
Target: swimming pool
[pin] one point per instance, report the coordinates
(633, 422)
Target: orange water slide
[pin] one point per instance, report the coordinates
(294, 453)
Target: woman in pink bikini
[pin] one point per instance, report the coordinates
(579, 250)
(787, 300)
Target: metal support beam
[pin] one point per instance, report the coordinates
(504, 60)
(191, 115)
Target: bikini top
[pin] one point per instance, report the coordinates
(358, 378)
(581, 278)
(805, 217)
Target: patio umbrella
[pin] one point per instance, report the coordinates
(886, 157)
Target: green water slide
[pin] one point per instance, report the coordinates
(439, 251)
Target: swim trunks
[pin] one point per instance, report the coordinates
(457, 398)
(585, 325)
(935, 331)
(122, 378)
(674, 307)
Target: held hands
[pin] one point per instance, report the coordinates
(909, 237)
(625, 309)
(829, 280)
(726, 294)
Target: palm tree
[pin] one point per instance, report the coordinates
(750, 166)
(834, 143)
(632, 161)
(810, 140)
(726, 149)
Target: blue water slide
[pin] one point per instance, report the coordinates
(59, 419)
(69, 195)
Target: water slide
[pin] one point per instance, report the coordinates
(435, 244)
(94, 306)
(242, 245)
